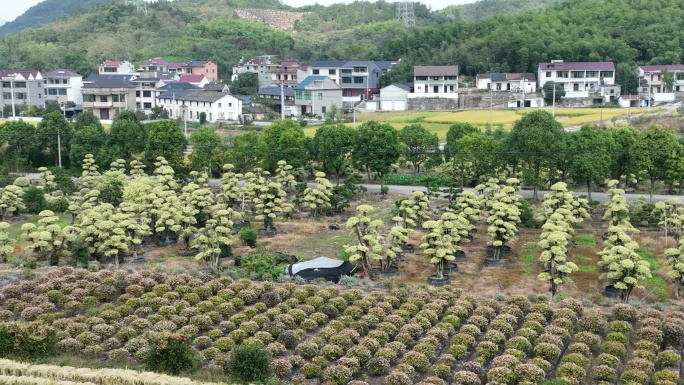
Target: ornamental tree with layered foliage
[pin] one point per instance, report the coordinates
(365, 230)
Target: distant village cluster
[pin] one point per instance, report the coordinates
(186, 90)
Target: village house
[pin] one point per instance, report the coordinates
(63, 86)
(435, 81)
(587, 80)
(189, 104)
(104, 98)
(273, 94)
(196, 80)
(201, 67)
(116, 67)
(259, 65)
(359, 79)
(513, 82)
(316, 95)
(392, 98)
(19, 87)
(652, 86)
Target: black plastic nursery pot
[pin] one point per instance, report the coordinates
(188, 252)
(407, 249)
(451, 268)
(460, 255)
(268, 233)
(612, 292)
(491, 262)
(605, 236)
(433, 280)
(470, 237)
(391, 271)
(472, 232)
(506, 251)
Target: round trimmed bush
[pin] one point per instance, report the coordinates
(337, 374)
(398, 378)
(281, 368)
(608, 360)
(547, 351)
(634, 377)
(378, 366)
(173, 355)
(443, 371)
(614, 348)
(667, 358)
(604, 373)
(570, 370)
(501, 375)
(249, 363)
(624, 312)
(311, 370)
(505, 360)
(458, 351)
(464, 377)
(650, 334)
(332, 351)
(529, 373)
(641, 365)
(576, 359)
(666, 375)
(541, 363)
(415, 359)
(620, 327)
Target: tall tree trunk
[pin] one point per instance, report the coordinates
(589, 190)
(368, 174)
(415, 174)
(650, 191)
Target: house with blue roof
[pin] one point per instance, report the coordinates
(315, 95)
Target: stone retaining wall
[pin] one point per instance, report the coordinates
(274, 18)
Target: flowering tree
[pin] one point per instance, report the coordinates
(675, 258)
(215, 234)
(48, 239)
(10, 200)
(318, 199)
(6, 248)
(415, 210)
(434, 248)
(365, 230)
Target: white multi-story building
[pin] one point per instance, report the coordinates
(594, 80)
(653, 87)
(63, 86)
(116, 67)
(19, 87)
(513, 82)
(190, 104)
(435, 81)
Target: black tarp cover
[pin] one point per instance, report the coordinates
(321, 267)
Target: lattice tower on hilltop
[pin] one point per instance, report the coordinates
(405, 13)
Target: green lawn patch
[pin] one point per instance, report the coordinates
(527, 271)
(529, 259)
(530, 247)
(581, 258)
(656, 282)
(586, 240)
(587, 268)
(649, 257)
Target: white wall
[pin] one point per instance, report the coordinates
(230, 109)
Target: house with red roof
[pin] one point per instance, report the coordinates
(196, 80)
(653, 87)
(592, 80)
(154, 64)
(19, 87)
(63, 86)
(116, 67)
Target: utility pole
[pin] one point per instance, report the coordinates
(354, 114)
(523, 89)
(553, 106)
(14, 113)
(59, 148)
(282, 101)
(185, 119)
(649, 98)
(491, 107)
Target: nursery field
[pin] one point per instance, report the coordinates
(332, 334)
(439, 122)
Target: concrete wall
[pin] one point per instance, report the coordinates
(482, 100)
(575, 102)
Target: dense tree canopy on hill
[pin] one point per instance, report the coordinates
(47, 11)
(584, 30)
(483, 9)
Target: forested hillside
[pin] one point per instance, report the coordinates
(47, 11)
(583, 30)
(487, 8)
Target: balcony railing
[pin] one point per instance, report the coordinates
(102, 104)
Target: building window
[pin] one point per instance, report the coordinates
(346, 71)
(358, 80)
(6, 85)
(360, 69)
(298, 95)
(679, 76)
(577, 74)
(315, 72)
(88, 98)
(323, 109)
(307, 96)
(147, 106)
(62, 92)
(452, 77)
(332, 72)
(115, 98)
(230, 104)
(20, 96)
(52, 91)
(6, 95)
(147, 94)
(421, 78)
(137, 94)
(109, 69)
(346, 80)
(562, 74)
(190, 114)
(606, 74)
(219, 105)
(548, 74)
(19, 84)
(320, 96)
(210, 118)
(592, 74)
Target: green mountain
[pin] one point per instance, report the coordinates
(487, 8)
(47, 11)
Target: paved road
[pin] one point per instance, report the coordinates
(375, 188)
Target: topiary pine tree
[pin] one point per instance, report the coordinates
(502, 227)
(47, 179)
(283, 174)
(216, 234)
(137, 203)
(137, 168)
(318, 199)
(554, 240)
(232, 194)
(365, 230)
(672, 218)
(434, 249)
(415, 210)
(626, 269)
(87, 195)
(399, 236)
(487, 191)
(10, 200)
(196, 201)
(268, 204)
(105, 231)
(48, 239)
(254, 182)
(675, 258)
(6, 248)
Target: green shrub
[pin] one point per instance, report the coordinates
(262, 262)
(527, 220)
(173, 355)
(248, 235)
(57, 204)
(29, 340)
(34, 200)
(249, 363)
